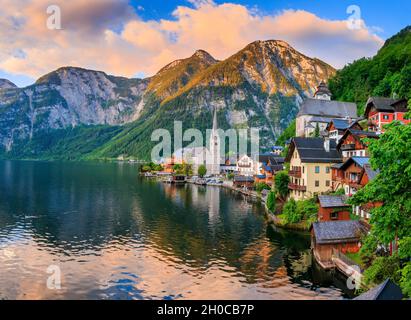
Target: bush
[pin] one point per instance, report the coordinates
(271, 201)
(261, 186)
(296, 211)
(290, 212)
(382, 269)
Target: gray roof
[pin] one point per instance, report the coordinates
(370, 172)
(311, 150)
(333, 201)
(326, 108)
(243, 179)
(338, 231)
(387, 290)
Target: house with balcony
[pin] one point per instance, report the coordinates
(310, 166)
(353, 144)
(353, 175)
(382, 111)
(337, 128)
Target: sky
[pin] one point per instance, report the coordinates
(136, 38)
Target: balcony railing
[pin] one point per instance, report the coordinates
(348, 146)
(296, 173)
(293, 186)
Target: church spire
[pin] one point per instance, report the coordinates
(215, 124)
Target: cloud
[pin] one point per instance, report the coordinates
(109, 35)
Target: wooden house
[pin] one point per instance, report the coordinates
(243, 182)
(337, 128)
(336, 236)
(333, 208)
(353, 144)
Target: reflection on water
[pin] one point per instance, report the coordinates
(115, 236)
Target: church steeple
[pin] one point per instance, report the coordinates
(215, 147)
(323, 93)
(215, 124)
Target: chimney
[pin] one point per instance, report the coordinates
(327, 144)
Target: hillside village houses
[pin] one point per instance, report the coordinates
(336, 159)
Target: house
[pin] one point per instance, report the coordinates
(246, 166)
(387, 290)
(333, 208)
(267, 165)
(349, 173)
(382, 111)
(277, 150)
(367, 175)
(353, 175)
(243, 182)
(310, 166)
(230, 165)
(319, 112)
(337, 127)
(336, 236)
(353, 144)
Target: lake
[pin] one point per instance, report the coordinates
(113, 235)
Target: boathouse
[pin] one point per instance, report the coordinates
(243, 182)
(335, 236)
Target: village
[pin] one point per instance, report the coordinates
(325, 164)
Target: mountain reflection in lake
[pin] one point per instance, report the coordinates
(116, 236)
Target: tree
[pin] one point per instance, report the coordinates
(145, 168)
(177, 168)
(261, 186)
(391, 222)
(202, 170)
(317, 131)
(271, 201)
(281, 184)
(287, 134)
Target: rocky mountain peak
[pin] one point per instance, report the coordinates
(204, 55)
(6, 84)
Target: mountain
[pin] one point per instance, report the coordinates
(6, 84)
(387, 74)
(261, 86)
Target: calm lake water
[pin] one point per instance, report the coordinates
(116, 236)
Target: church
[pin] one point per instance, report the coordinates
(197, 156)
(317, 112)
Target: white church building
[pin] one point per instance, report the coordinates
(197, 156)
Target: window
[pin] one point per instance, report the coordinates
(303, 169)
(317, 169)
(386, 117)
(334, 215)
(327, 169)
(317, 183)
(327, 183)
